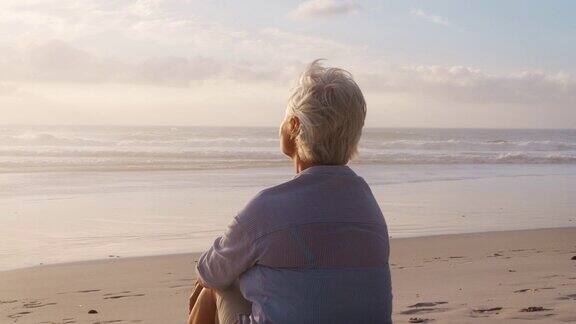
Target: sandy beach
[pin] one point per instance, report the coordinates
(502, 277)
(135, 134)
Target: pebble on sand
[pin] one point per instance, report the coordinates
(92, 311)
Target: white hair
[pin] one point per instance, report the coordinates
(331, 110)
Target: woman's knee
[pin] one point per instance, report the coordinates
(231, 305)
(204, 308)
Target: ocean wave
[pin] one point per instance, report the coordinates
(158, 153)
(468, 158)
(157, 161)
(490, 145)
(188, 140)
(46, 139)
(159, 148)
(28, 165)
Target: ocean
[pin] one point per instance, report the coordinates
(90, 148)
(70, 193)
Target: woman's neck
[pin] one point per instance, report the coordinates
(300, 165)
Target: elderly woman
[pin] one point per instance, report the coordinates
(314, 249)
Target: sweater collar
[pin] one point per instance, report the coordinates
(338, 170)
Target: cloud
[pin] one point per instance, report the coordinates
(176, 71)
(57, 61)
(468, 85)
(7, 89)
(144, 42)
(140, 43)
(435, 19)
(323, 8)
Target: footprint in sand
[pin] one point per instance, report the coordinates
(124, 296)
(179, 286)
(419, 320)
(18, 315)
(543, 288)
(568, 297)
(550, 276)
(427, 304)
(532, 289)
(532, 309)
(425, 307)
(36, 304)
(488, 310)
(536, 313)
(11, 301)
(118, 293)
(64, 321)
(88, 291)
(485, 312)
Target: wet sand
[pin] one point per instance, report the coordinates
(59, 217)
(496, 277)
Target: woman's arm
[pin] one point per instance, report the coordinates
(230, 255)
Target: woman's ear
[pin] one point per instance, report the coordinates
(288, 133)
(294, 126)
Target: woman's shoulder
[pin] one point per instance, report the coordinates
(267, 209)
(273, 197)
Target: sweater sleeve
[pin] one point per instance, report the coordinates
(230, 255)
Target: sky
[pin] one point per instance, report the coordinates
(497, 64)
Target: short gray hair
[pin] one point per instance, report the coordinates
(331, 110)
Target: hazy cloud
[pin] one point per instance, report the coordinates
(7, 89)
(465, 84)
(323, 8)
(59, 61)
(177, 71)
(435, 19)
(160, 47)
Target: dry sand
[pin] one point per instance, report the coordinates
(468, 278)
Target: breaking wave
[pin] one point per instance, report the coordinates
(163, 148)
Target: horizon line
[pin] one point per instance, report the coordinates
(260, 126)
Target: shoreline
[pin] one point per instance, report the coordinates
(456, 278)
(114, 258)
(90, 216)
(277, 165)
